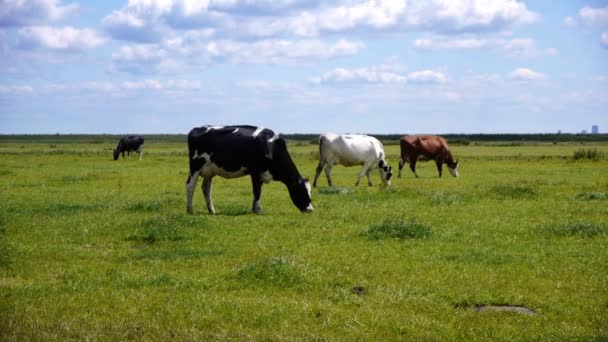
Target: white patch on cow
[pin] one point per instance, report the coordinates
(308, 188)
(216, 127)
(257, 131)
(266, 177)
(210, 169)
(453, 171)
(309, 208)
(235, 130)
(204, 156)
(274, 137)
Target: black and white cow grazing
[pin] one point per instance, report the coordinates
(236, 151)
(128, 144)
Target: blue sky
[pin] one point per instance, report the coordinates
(303, 66)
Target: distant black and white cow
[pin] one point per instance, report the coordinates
(352, 150)
(236, 151)
(128, 144)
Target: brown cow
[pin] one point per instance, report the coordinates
(426, 147)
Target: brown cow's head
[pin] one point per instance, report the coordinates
(386, 172)
(453, 167)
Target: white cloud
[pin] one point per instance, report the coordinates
(516, 47)
(383, 74)
(32, 12)
(570, 22)
(15, 89)
(524, 75)
(362, 75)
(436, 15)
(193, 52)
(589, 16)
(153, 20)
(59, 39)
(604, 39)
(278, 51)
(427, 77)
(593, 16)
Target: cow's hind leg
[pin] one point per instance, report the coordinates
(401, 163)
(190, 187)
(140, 150)
(206, 187)
(369, 179)
(256, 182)
(318, 173)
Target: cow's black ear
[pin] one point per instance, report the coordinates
(381, 163)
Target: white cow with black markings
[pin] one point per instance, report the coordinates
(352, 150)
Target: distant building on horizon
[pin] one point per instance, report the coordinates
(584, 131)
(595, 129)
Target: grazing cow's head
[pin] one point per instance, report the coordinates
(386, 172)
(453, 167)
(116, 154)
(300, 195)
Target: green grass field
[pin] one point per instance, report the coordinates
(97, 249)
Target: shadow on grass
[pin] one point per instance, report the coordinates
(399, 229)
(592, 196)
(580, 229)
(510, 191)
(167, 228)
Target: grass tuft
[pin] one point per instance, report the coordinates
(590, 196)
(335, 190)
(276, 271)
(588, 154)
(506, 191)
(445, 198)
(578, 229)
(398, 229)
(159, 229)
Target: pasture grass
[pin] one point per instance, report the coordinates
(96, 249)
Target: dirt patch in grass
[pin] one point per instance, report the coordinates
(498, 308)
(445, 198)
(397, 229)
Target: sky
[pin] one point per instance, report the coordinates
(303, 66)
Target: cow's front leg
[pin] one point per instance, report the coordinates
(439, 163)
(256, 182)
(413, 166)
(141, 152)
(207, 181)
(361, 174)
(190, 187)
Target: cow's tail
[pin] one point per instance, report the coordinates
(321, 139)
